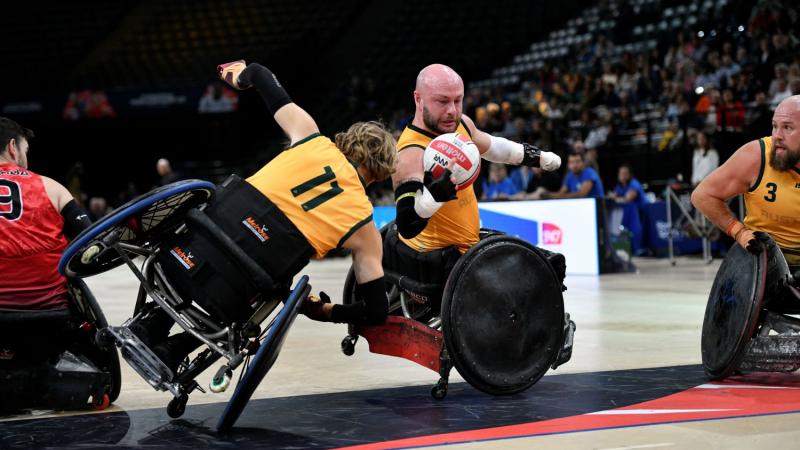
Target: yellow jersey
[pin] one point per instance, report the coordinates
(457, 222)
(773, 204)
(319, 190)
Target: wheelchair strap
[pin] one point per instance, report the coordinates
(261, 278)
(260, 229)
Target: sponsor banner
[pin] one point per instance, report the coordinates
(566, 226)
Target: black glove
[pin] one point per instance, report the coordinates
(531, 156)
(313, 307)
(758, 243)
(442, 188)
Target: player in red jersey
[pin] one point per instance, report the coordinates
(37, 217)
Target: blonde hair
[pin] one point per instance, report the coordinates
(369, 144)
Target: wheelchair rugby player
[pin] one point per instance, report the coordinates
(497, 299)
(748, 323)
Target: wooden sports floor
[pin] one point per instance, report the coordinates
(634, 382)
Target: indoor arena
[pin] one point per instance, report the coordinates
(390, 225)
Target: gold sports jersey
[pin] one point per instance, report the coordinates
(773, 204)
(318, 190)
(457, 222)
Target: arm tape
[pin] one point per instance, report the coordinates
(425, 205)
(409, 223)
(501, 150)
(267, 85)
(75, 219)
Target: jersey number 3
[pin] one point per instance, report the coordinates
(304, 187)
(10, 200)
(772, 189)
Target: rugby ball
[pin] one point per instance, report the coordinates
(456, 152)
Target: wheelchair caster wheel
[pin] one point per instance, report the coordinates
(221, 381)
(439, 391)
(349, 345)
(104, 339)
(101, 403)
(177, 406)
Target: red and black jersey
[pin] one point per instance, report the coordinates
(31, 243)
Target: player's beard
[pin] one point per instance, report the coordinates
(430, 122)
(786, 162)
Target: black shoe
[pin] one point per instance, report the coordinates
(175, 349)
(153, 327)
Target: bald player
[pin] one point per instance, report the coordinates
(431, 213)
(767, 172)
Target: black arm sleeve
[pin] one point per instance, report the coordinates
(371, 308)
(75, 219)
(409, 224)
(267, 84)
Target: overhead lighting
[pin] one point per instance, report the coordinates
(699, 90)
(700, 34)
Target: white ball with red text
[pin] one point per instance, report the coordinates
(456, 152)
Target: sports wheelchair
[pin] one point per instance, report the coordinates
(748, 326)
(496, 313)
(49, 359)
(174, 225)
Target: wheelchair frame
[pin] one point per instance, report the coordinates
(87, 317)
(768, 341)
(109, 242)
(425, 343)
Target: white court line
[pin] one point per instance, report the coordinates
(741, 386)
(624, 412)
(663, 444)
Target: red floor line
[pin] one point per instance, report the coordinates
(731, 402)
(386, 446)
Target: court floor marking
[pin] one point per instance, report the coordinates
(391, 445)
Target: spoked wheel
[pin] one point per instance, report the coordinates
(265, 357)
(136, 223)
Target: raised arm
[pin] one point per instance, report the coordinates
(293, 120)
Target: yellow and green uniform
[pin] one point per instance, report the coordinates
(773, 204)
(319, 190)
(457, 222)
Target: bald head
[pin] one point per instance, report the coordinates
(438, 77)
(438, 96)
(163, 167)
(789, 105)
(786, 134)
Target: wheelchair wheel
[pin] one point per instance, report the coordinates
(265, 356)
(135, 222)
(503, 330)
(86, 308)
(733, 311)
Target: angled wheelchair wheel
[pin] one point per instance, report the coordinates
(86, 308)
(265, 356)
(137, 222)
(502, 329)
(733, 311)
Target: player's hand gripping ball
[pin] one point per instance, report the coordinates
(455, 152)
